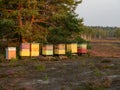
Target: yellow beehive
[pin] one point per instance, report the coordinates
(72, 47)
(59, 52)
(47, 50)
(35, 48)
(25, 49)
(59, 49)
(25, 52)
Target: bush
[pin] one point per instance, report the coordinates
(13, 60)
(97, 72)
(89, 46)
(68, 54)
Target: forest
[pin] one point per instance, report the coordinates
(100, 32)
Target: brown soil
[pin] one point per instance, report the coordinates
(105, 49)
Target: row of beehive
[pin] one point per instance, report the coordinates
(35, 49)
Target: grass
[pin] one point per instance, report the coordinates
(56, 58)
(106, 61)
(108, 67)
(33, 58)
(40, 67)
(13, 60)
(46, 77)
(83, 63)
(92, 64)
(89, 87)
(69, 54)
(97, 72)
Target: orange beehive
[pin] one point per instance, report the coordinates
(11, 52)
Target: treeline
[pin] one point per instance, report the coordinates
(43, 21)
(97, 32)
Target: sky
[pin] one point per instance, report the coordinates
(100, 12)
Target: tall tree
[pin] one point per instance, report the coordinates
(117, 33)
(31, 19)
(23, 16)
(66, 30)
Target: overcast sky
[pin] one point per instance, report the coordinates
(100, 12)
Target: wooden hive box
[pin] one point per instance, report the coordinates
(72, 47)
(25, 49)
(35, 49)
(82, 48)
(59, 49)
(47, 49)
(11, 53)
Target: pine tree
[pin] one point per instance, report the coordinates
(30, 20)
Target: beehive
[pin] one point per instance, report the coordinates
(59, 49)
(72, 47)
(25, 49)
(47, 49)
(11, 52)
(82, 48)
(35, 49)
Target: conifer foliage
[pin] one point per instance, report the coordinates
(36, 20)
